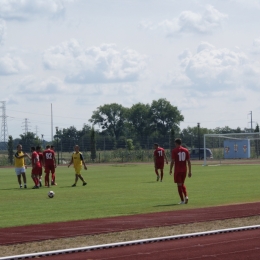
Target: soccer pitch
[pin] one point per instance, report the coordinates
(115, 190)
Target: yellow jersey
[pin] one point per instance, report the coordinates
(77, 159)
(19, 162)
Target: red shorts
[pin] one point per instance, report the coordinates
(179, 177)
(36, 170)
(49, 168)
(159, 165)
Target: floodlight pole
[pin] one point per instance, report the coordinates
(251, 120)
(204, 145)
(57, 141)
(199, 138)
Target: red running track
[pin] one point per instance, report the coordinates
(41, 232)
(228, 246)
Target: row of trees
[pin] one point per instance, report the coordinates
(137, 127)
(156, 119)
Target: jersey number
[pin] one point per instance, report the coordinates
(48, 155)
(160, 153)
(182, 156)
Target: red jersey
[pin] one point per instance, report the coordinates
(159, 154)
(35, 159)
(40, 158)
(180, 156)
(48, 156)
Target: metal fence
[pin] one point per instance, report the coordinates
(109, 150)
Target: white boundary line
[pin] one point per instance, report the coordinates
(128, 243)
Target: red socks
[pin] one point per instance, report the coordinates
(184, 190)
(47, 182)
(36, 181)
(53, 178)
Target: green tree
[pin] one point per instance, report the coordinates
(93, 144)
(190, 136)
(29, 139)
(227, 130)
(111, 118)
(139, 120)
(10, 145)
(172, 138)
(129, 144)
(69, 137)
(164, 116)
(83, 135)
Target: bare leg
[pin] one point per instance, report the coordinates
(156, 171)
(81, 177)
(19, 179)
(76, 178)
(179, 185)
(24, 178)
(161, 174)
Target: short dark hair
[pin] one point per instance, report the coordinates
(156, 144)
(33, 148)
(52, 146)
(47, 146)
(38, 148)
(178, 141)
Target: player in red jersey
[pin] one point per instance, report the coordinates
(159, 156)
(36, 167)
(49, 163)
(180, 159)
(53, 174)
(38, 150)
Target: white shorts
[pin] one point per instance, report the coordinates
(19, 170)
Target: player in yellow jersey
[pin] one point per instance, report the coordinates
(20, 165)
(77, 160)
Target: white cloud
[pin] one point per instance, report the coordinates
(51, 86)
(2, 30)
(100, 64)
(190, 22)
(11, 100)
(185, 57)
(246, 4)
(177, 80)
(256, 46)
(212, 68)
(11, 65)
(251, 75)
(26, 9)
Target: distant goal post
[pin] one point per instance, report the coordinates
(231, 146)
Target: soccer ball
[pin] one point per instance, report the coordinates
(51, 194)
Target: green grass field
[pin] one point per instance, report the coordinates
(115, 190)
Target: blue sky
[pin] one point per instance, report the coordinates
(202, 56)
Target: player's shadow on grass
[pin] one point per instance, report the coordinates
(69, 186)
(149, 182)
(166, 205)
(16, 189)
